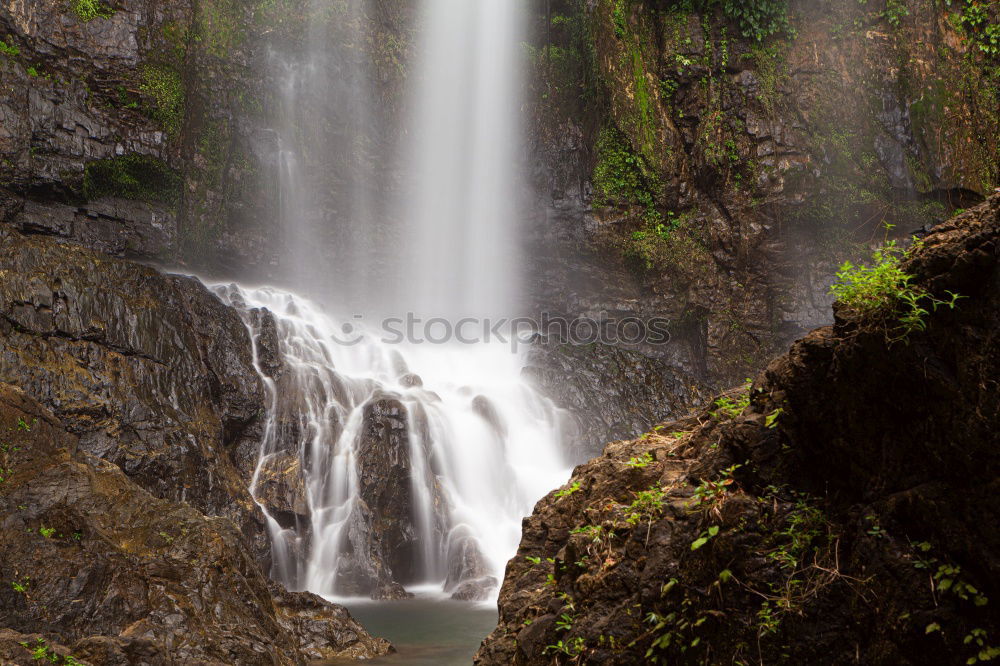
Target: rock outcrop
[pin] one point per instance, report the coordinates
(152, 372)
(688, 169)
(92, 561)
(609, 391)
(842, 510)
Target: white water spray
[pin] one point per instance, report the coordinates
(404, 464)
(482, 448)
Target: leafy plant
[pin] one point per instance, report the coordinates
(947, 579)
(705, 537)
(570, 647)
(711, 491)
(645, 460)
(733, 406)
(771, 420)
(884, 289)
(566, 492)
(648, 505)
(47, 532)
(623, 178)
(9, 49)
(986, 652)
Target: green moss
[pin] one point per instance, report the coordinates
(9, 49)
(137, 177)
(88, 10)
(622, 177)
(644, 104)
(219, 27)
(668, 245)
(772, 70)
(163, 86)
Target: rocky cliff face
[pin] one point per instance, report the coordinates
(98, 564)
(145, 128)
(150, 371)
(687, 169)
(841, 510)
(127, 507)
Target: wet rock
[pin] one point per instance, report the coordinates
(126, 577)
(476, 590)
(113, 226)
(152, 372)
(610, 392)
(410, 380)
(482, 406)
(881, 454)
(465, 559)
(384, 470)
(281, 489)
(269, 357)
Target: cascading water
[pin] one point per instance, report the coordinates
(383, 464)
(478, 448)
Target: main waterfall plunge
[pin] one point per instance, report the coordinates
(390, 465)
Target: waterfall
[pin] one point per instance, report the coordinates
(462, 218)
(392, 463)
(387, 465)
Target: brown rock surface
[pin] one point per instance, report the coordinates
(847, 515)
(91, 560)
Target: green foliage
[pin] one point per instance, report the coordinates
(569, 647)
(805, 526)
(566, 492)
(9, 49)
(948, 579)
(620, 18)
(668, 243)
(885, 290)
(21, 586)
(710, 492)
(47, 532)
(137, 177)
(621, 177)
(757, 19)
(977, 637)
(32, 72)
(733, 406)
(648, 506)
(163, 87)
(88, 10)
(895, 11)
(981, 22)
(645, 460)
(705, 537)
(593, 532)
